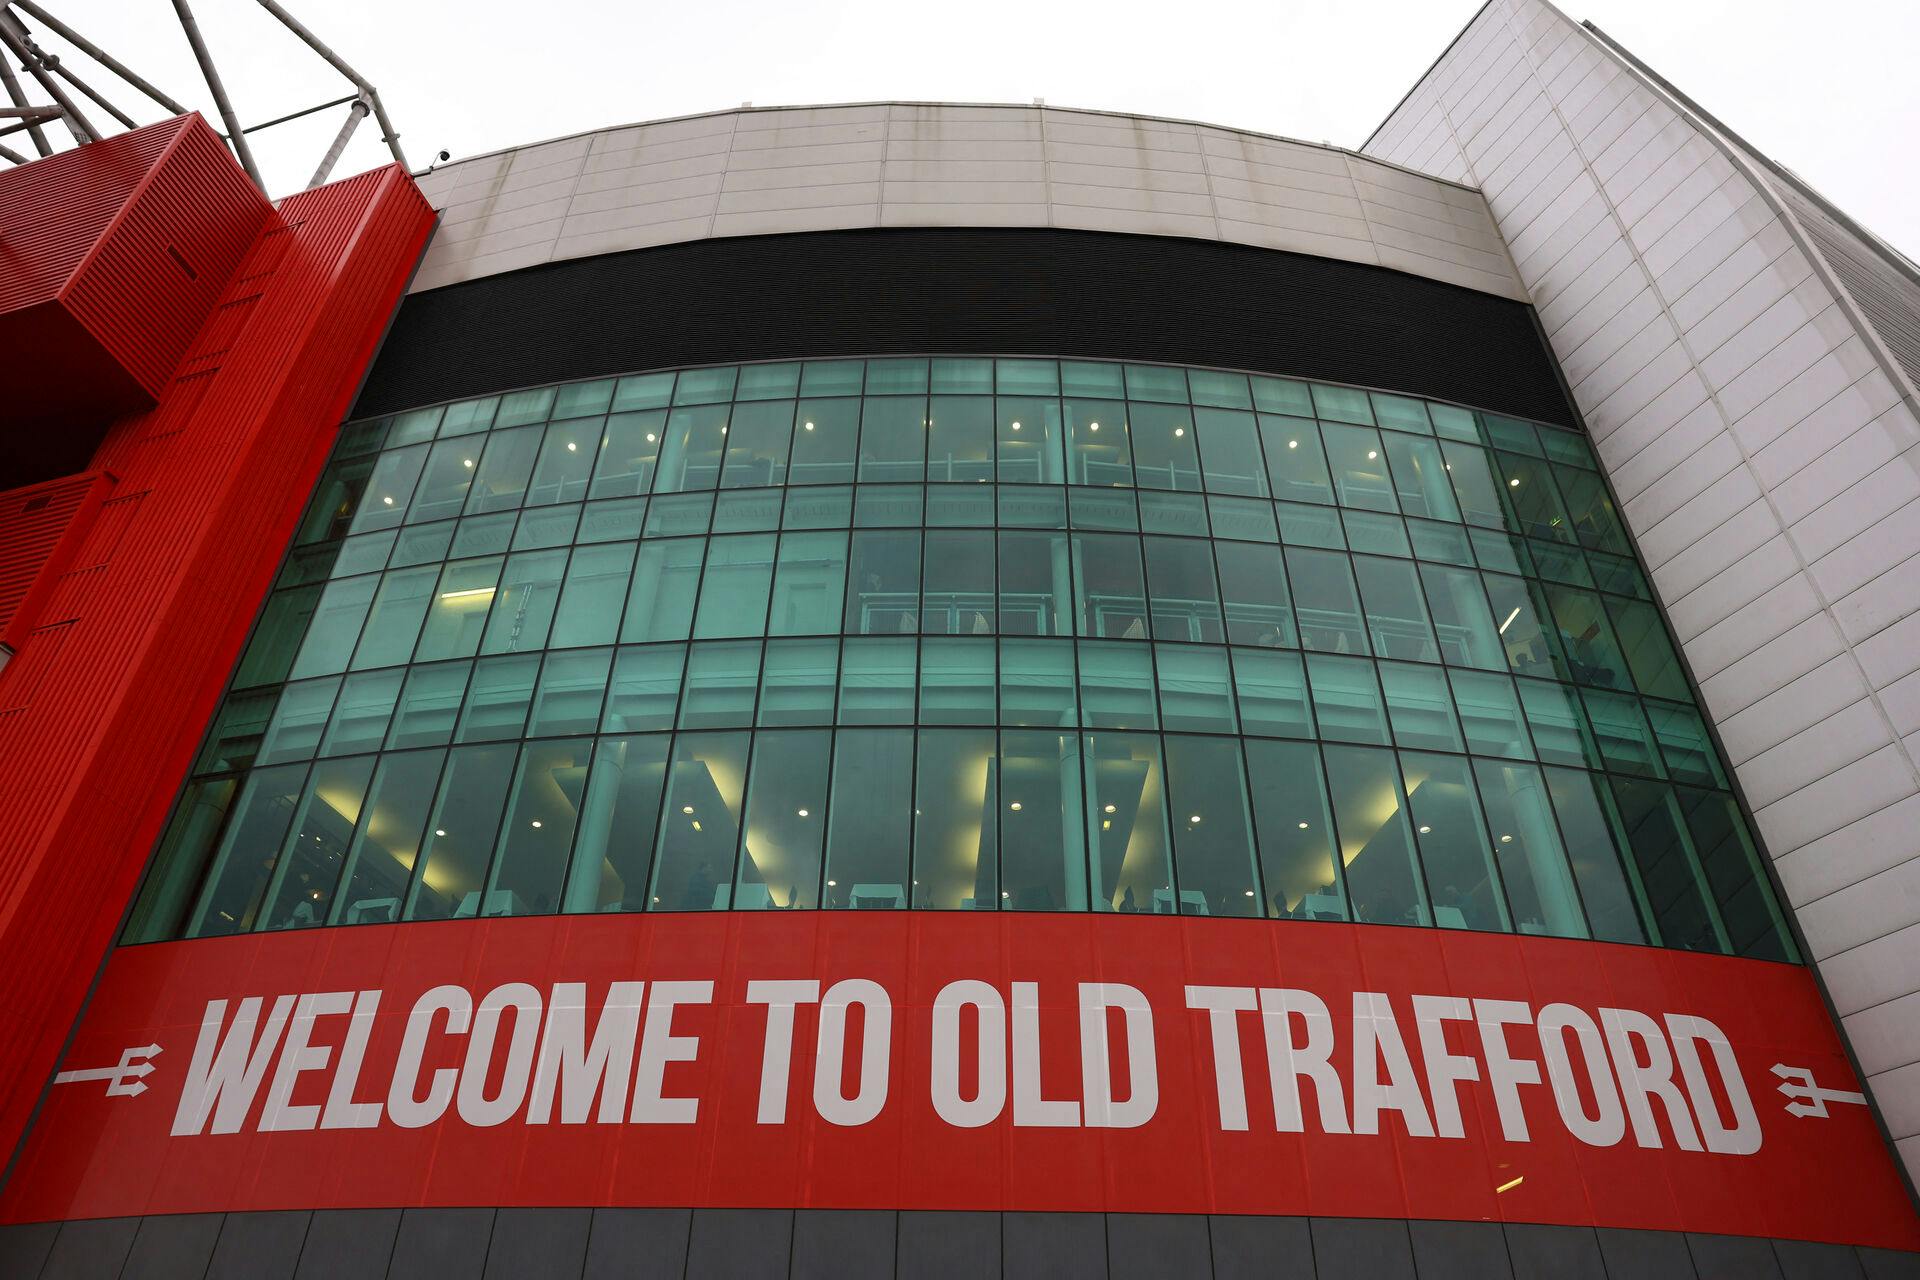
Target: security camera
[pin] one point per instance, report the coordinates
(444, 156)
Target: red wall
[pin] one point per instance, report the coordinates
(112, 687)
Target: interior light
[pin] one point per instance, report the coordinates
(1015, 806)
(1110, 808)
(1508, 1186)
(1426, 831)
(833, 884)
(388, 501)
(696, 824)
(574, 448)
(471, 593)
(809, 427)
(1510, 618)
(1372, 454)
(1303, 826)
(1194, 819)
(1293, 444)
(1449, 466)
(1106, 824)
(1093, 426)
(1514, 483)
(1005, 894)
(686, 808)
(439, 831)
(650, 437)
(536, 822)
(1506, 839)
(1016, 426)
(801, 812)
(1249, 893)
(468, 462)
(723, 431)
(1178, 432)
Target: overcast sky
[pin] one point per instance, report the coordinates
(1828, 89)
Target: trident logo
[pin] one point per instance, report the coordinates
(1797, 1083)
(123, 1078)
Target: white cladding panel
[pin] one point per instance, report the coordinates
(1766, 451)
(754, 172)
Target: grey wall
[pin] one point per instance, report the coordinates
(1766, 444)
(785, 1244)
(757, 172)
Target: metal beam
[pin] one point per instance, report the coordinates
(14, 36)
(8, 153)
(19, 99)
(59, 68)
(99, 55)
(355, 114)
(360, 82)
(219, 91)
(295, 115)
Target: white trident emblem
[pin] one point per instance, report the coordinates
(123, 1078)
(1807, 1098)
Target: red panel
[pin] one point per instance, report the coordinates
(111, 1143)
(101, 710)
(40, 529)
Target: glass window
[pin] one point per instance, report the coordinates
(957, 595)
(644, 692)
(1196, 689)
(1092, 378)
(1396, 610)
(442, 490)
(537, 835)
(1042, 843)
(1536, 503)
(955, 825)
(1217, 387)
(388, 491)
(551, 527)
(786, 821)
(1586, 638)
(451, 874)
(1117, 686)
(963, 375)
(691, 446)
(1377, 533)
(666, 578)
(1359, 469)
(1342, 404)
(1029, 434)
(583, 399)
(960, 438)
(1035, 583)
(1230, 452)
(823, 442)
(1401, 414)
(1281, 395)
(1295, 829)
(797, 682)
(1453, 842)
(1621, 730)
(595, 591)
(896, 377)
(1590, 511)
(305, 875)
(1097, 434)
(876, 680)
(361, 712)
(393, 623)
(1490, 714)
(235, 740)
(1305, 526)
(1656, 668)
(1558, 724)
(1474, 486)
(1253, 583)
(1212, 828)
(1420, 477)
(1580, 803)
(722, 676)
(1670, 874)
(700, 823)
(1036, 683)
(893, 439)
(1684, 745)
(1531, 647)
(957, 680)
(506, 464)
(523, 603)
(746, 510)
(572, 686)
(1346, 699)
(1327, 605)
(521, 407)
(1243, 519)
(1419, 707)
(1185, 597)
(498, 698)
(1271, 691)
(629, 455)
(643, 391)
(883, 595)
(1165, 455)
(1733, 872)
(457, 615)
(1463, 621)
(336, 500)
(758, 436)
(733, 594)
(1296, 461)
(1111, 599)
(335, 624)
(429, 705)
(1130, 869)
(566, 459)
(619, 818)
(870, 830)
(1526, 840)
(381, 859)
(298, 720)
(1376, 842)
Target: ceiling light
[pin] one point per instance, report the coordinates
(1303, 826)
(467, 462)
(1005, 894)
(574, 448)
(471, 593)
(801, 812)
(439, 831)
(1249, 893)
(686, 808)
(1015, 806)
(1106, 824)
(1110, 808)
(1178, 432)
(1372, 454)
(696, 824)
(1293, 444)
(1425, 831)
(1506, 839)
(1510, 618)
(536, 822)
(651, 437)
(809, 426)
(833, 884)
(388, 501)
(1514, 483)
(1094, 427)
(1194, 819)
(1016, 426)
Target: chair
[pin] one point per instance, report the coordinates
(877, 895)
(748, 897)
(1192, 902)
(1449, 918)
(1322, 906)
(372, 911)
(499, 903)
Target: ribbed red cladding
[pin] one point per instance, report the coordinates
(102, 707)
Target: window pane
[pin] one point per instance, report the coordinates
(823, 442)
(234, 742)
(1453, 843)
(1042, 843)
(308, 869)
(524, 602)
(786, 820)
(1656, 669)
(1324, 598)
(381, 860)
(721, 679)
(1296, 463)
(1097, 430)
(960, 439)
(1212, 828)
(1490, 714)
(1359, 470)
(1420, 708)
(595, 591)
(566, 458)
(666, 576)
(871, 822)
(1036, 683)
(1587, 638)
(957, 596)
(1591, 511)
(1253, 583)
(1536, 503)
(571, 688)
(797, 682)
(957, 680)
(388, 490)
(1376, 843)
(1523, 626)
(1271, 690)
(690, 449)
(1539, 879)
(883, 597)
(1346, 699)
(500, 481)
(1609, 897)
(893, 439)
(1474, 485)
(618, 821)
(1296, 831)
(1185, 598)
(645, 690)
(498, 698)
(459, 841)
(1343, 404)
(1116, 686)
(335, 625)
(629, 454)
(1420, 477)
(1230, 452)
(361, 713)
(1196, 690)
(1165, 455)
(700, 823)
(294, 731)
(537, 837)
(429, 705)
(1396, 610)
(1684, 745)
(1621, 731)
(757, 440)
(876, 681)
(1377, 533)
(1127, 814)
(733, 594)
(458, 614)
(1462, 620)
(1035, 584)
(1670, 873)
(1558, 724)
(955, 799)
(393, 623)
(1111, 587)
(1029, 440)
(442, 491)
(1746, 904)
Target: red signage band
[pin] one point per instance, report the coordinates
(923, 1060)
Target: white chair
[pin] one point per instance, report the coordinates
(1322, 906)
(372, 911)
(1192, 902)
(1449, 918)
(877, 895)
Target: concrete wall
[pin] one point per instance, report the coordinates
(1766, 446)
(753, 172)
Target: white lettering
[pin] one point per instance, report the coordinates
(1287, 1062)
(472, 1102)
(297, 1057)
(1505, 1072)
(1096, 1057)
(1688, 1032)
(1031, 1108)
(1445, 1070)
(660, 1047)
(226, 1070)
(1652, 1078)
(990, 1098)
(604, 1068)
(407, 1110)
(342, 1111)
(1224, 1006)
(1376, 1036)
(776, 1058)
(876, 1037)
(1608, 1123)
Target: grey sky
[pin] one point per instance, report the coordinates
(1827, 89)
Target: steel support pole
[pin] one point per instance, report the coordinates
(14, 36)
(387, 134)
(355, 114)
(219, 91)
(59, 68)
(8, 153)
(99, 55)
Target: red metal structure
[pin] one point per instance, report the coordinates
(146, 270)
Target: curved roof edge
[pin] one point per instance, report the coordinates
(768, 170)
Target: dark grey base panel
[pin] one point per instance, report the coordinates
(786, 1244)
